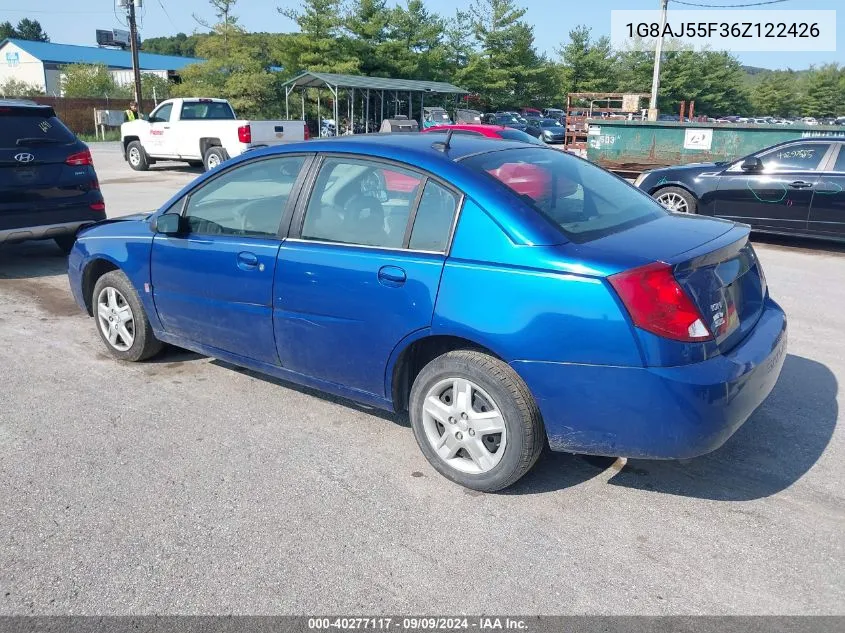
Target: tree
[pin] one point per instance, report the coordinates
(321, 44)
(236, 68)
(366, 23)
(414, 36)
(506, 70)
(89, 80)
(15, 88)
(588, 65)
(776, 93)
(31, 30)
(825, 91)
(7, 30)
(179, 44)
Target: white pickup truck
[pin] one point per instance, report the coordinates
(203, 132)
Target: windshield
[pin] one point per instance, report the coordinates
(518, 135)
(583, 200)
(206, 110)
(20, 127)
(549, 123)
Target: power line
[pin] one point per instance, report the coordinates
(172, 23)
(728, 6)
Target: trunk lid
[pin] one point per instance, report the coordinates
(712, 260)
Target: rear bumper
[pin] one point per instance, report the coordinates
(44, 232)
(658, 412)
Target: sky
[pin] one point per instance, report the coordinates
(74, 21)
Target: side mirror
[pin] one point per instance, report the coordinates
(168, 224)
(752, 165)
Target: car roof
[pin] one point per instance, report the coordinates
(410, 147)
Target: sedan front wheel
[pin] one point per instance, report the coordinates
(121, 320)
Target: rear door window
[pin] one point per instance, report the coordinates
(21, 127)
(583, 200)
(434, 219)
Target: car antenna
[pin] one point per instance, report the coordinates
(444, 146)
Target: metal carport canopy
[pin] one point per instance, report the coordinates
(321, 80)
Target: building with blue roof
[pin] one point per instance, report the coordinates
(39, 63)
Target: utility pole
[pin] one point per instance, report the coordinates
(133, 44)
(658, 58)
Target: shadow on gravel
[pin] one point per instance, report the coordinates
(774, 449)
(401, 420)
(800, 244)
(28, 260)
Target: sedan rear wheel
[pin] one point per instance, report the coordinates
(677, 200)
(475, 420)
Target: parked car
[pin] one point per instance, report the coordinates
(585, 316)
(48, 186)
(554, 113)
(507, 120)
(471, 117)
(796, 188)
(487, 131)
(435, 116)
(202, 132)
(548, 130)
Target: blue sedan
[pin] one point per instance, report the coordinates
(506, 295)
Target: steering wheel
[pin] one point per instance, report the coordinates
(374, 184)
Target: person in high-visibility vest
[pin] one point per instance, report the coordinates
(132, 113)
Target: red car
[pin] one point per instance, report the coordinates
(526, 179)
(490, 131)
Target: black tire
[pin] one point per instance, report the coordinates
(523, 424)
(677, 192)
(65, 242)
(145, 344)
(216, 155)
(137, 157)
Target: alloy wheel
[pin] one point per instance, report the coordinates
(464, 426)
(114, 315)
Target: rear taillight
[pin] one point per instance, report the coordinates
(80, 158)
(245, 134)
(658, 304)
(307, 136)
(97, 206)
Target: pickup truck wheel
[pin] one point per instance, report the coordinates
(137, 157)
(475, 420)
(214, 156)
(121, 320)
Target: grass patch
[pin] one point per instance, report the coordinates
(111, 135)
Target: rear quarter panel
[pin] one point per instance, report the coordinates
(529, 302)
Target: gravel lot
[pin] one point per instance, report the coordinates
(185, 485)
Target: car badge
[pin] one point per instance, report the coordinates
(23, 157)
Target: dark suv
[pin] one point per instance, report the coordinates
(48, 186)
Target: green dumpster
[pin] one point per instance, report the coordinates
(633, 146)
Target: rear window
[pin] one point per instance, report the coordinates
(518, 135)
(585, 201)
(20, 127)
(206, 110)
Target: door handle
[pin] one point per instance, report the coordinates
(166, 127)
(247, 261)
(800, 184)
(391, 276)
